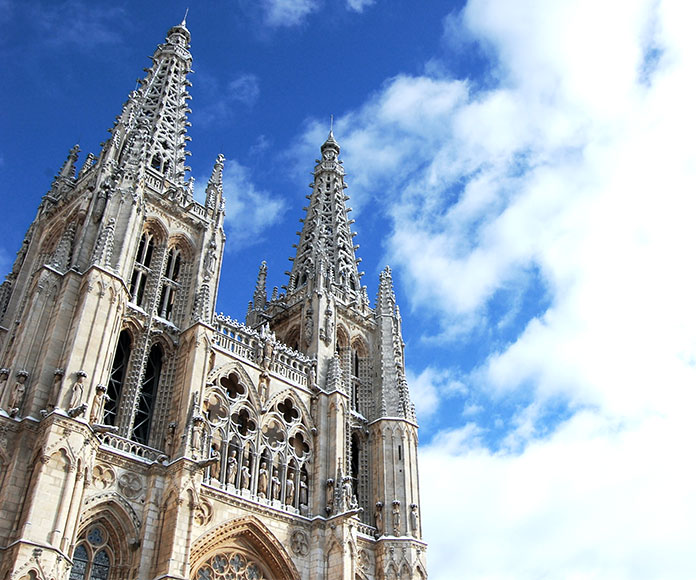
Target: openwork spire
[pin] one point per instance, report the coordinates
(151, 130)
(325, 253)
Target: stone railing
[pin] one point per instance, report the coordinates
(234, 337)
(198, 209)
(246, 343)
(366, 529)
(130, 447)
(153, 181)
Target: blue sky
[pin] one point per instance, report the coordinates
(526, 167)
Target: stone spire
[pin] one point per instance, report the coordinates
(65, 179)
(325, 253)
(68, 169)
(151, 130)
(394, 399)
(213, 193)
(260, 295)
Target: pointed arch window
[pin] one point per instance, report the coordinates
(117, 378)
(91, 557)
(148, 396)
(170, 283)
(141, 269)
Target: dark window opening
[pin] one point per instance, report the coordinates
(141, 269)
(148, 396)
(355, 463)
(117, 378)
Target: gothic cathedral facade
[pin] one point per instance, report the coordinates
(142, 435)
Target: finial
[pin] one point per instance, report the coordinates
(183, 22)
(331, 129)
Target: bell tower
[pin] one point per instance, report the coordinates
(368, 433)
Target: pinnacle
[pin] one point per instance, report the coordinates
(331, 142)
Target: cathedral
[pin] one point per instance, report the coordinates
(143, 435)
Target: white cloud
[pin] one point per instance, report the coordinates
(429, 386)
(249, 211)
(358, 5)
(576, 167)
(280, 13)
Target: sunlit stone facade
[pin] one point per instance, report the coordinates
(142, 435)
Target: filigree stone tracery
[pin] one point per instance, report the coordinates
(230, 565)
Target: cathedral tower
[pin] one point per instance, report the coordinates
(142, 435)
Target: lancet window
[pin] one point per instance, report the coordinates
(142, 268)
(117, 378)
(170, 283)
(148, 396)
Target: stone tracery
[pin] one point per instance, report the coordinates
(261, 452)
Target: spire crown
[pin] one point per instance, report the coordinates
(326, 253)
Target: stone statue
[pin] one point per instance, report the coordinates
(275, 482)
(210, 259)
(396, 517)
(215, 467)
(329, 495)
(169, 439)
(414, 520)
(379, 522)
(289, 491)
(18, 392)
(78, 390)
(197, 437)
(246, 475)
(232, 469)
(347, 492)
(263, 480)
(96, 415)
(304, 491)
(55, 391)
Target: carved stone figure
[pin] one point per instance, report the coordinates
(275, 482)
(414, 519)
(263, 480)
(329, 495)
(289, 491)
(304, 491)
(55, 391)
(78, 390)
(379, 521)
(17, 394)
(97, 413)
(232, 469)
(215, 467)
(210, 260)
(169, 440)
(246, 476)
(347, 492)
(197, 436)
(396, 517)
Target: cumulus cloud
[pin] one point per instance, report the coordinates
(428, 386)
(570, 174)
(286, 13)
(249, 211)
